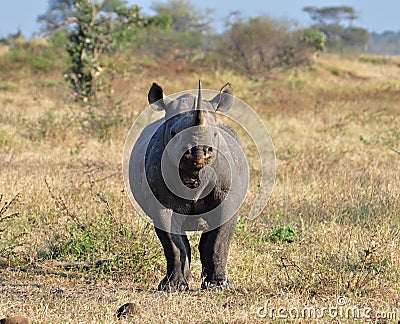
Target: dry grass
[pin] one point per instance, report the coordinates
(330, 229)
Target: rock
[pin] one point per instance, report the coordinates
(128, 309)
(14, 320)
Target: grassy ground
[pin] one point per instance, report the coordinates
(72, 249)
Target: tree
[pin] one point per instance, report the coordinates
(354, 37)
(337, 24)
(178, 31)
(62, 13)
(387, 42)
(93, 28)
(185, 17)
(58, 15)
(331, 15)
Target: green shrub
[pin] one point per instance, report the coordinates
(315, 39)
(284, 234)
(37, 57)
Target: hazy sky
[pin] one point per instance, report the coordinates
(373, 14)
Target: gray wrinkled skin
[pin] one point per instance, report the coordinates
(188, 172)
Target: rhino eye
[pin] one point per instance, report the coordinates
(215, 134)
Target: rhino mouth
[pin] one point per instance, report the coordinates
(198, 164)
(197, 157)
(191, 182)
(194, 164)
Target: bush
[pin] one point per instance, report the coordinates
(315, 39)
(166, 44)
(37, 56)
(259, 45)
(282, 234)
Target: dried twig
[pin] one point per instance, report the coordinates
(394, 150)
(6, 206)
(61, 205)
(59, 201)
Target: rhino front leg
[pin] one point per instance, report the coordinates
(177, 252)
(214, 249)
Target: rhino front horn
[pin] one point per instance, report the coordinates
(200, 118)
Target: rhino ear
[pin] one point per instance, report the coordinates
(224, 100)
(156, 97)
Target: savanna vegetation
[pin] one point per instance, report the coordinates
(72, 248)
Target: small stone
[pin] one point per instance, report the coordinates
(14, 320)
(127, 309)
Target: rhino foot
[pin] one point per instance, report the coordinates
(216, 285)
(169, 284)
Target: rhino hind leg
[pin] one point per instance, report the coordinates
(214, 249)
(177, 252)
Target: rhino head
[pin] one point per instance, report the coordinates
(191, 130)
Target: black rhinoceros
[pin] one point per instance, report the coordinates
(188, 172)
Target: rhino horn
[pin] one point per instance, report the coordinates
(200, 118)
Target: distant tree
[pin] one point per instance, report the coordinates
(354, 37)
(185, 16)
(179, 30)
(93, 28)
(337, 24)
(387, 42)
(331, 15)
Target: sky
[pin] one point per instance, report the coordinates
(373, 15)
